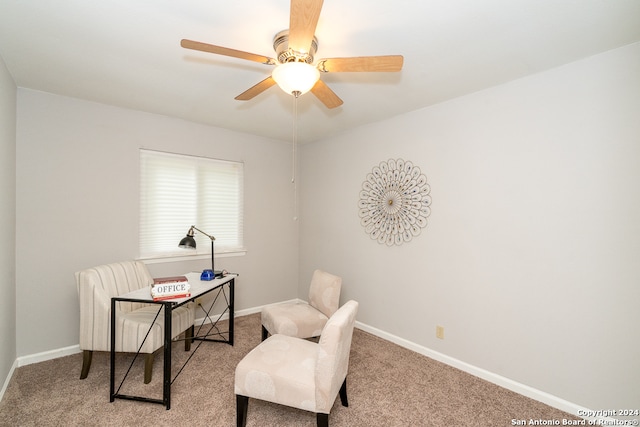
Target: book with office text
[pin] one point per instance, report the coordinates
(169, 288)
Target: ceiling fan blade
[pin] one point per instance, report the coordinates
(219, 50)
(303, 19)
(256, 89)
(326, 95)
(388, 63)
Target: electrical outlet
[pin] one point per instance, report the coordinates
(440, 332)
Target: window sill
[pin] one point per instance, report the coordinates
(181, 258)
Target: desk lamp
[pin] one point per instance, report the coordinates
(188, 242)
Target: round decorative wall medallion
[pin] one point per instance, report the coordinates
(394, 202)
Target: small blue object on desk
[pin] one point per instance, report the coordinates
(207, 275)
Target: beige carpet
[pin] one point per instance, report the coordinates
(387, 386)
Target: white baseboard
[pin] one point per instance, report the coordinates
(47, 355)
(9, 376)
(238, 313)
(499, 380)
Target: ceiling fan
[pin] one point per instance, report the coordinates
(295, 48)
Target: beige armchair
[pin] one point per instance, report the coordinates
(96, 286)
(304, 320)
(299, 373)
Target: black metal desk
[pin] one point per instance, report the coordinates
(199, 289)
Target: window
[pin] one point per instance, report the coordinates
(178, 191)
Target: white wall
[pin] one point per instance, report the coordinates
(7, 221)
(531, 258)
(77, 206)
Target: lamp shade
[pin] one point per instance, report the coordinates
(295, 77)
(187, 242)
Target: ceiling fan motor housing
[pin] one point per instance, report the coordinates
(285, 54)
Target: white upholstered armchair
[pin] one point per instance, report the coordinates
(299, 373)
(96, 286)
(304, 320)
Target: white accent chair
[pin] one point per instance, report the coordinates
(304, 320)
(96, 287)
(299, 373)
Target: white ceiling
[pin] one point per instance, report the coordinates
(127, 53)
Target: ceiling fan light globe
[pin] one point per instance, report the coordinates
(295, 77)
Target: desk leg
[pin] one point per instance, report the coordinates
(112, 373)
(232, 285)
(166, 388)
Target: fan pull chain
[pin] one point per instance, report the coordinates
(295, 94)
(294, 155)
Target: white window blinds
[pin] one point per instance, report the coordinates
(178, 191)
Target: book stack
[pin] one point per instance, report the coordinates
(165, 288)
